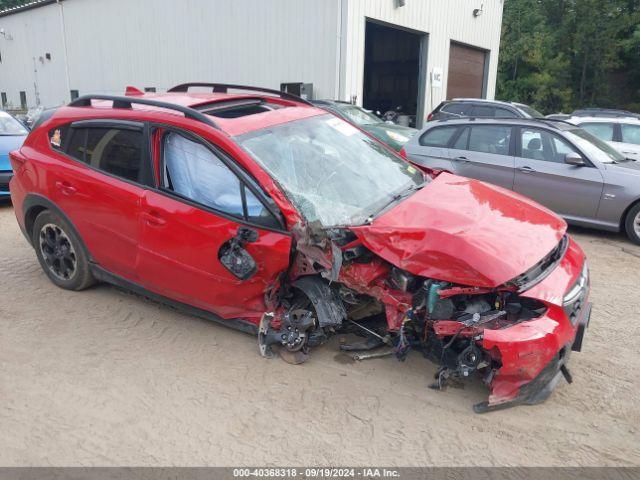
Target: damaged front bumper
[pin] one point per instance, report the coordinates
(540, 388)
(534, 354)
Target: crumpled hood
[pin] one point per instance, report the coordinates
(7, 144)
(464, 231)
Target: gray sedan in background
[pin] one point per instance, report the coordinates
(559, 165)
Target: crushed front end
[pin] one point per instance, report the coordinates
(516, 337)
(477, 279)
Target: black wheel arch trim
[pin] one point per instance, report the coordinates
(327, 304)
(34, 200)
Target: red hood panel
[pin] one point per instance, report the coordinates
(464, 231)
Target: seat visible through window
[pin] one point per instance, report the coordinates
(540, 144)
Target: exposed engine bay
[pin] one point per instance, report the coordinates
(336, 285)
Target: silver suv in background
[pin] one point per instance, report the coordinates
(621, 132)
(558, 164)
(479, 108)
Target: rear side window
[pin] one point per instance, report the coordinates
(438, 137)
(490, 139)
(462, 143)
(630, 133)
(457, 108)
(483, 111)
(505, 113)
(604, 131)
(116, 151)
(59, 138)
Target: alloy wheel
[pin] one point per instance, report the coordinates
(636, 224)
(57, 251)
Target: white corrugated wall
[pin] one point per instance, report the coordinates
(158, 43)
(442, 20)
(28, 38)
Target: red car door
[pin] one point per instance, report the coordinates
(201, 212)
(105, 167)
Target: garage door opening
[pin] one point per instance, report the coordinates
(467, 72)
(393, 70)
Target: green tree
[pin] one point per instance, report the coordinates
(558, 55)
(4, 4)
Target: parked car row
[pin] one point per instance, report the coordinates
(12, 134)
(387, 132)
(257, 209)
(584, 167)
(480, 108)
(622, 133)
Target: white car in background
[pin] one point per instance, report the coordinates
(622, 133)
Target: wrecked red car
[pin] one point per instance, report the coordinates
(253, 208)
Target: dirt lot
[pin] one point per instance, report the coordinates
(103, 377)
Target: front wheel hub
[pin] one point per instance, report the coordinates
(292, 336)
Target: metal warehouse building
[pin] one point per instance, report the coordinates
(377, 53)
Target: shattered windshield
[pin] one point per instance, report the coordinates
(331, 171)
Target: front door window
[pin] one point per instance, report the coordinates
(543, 145)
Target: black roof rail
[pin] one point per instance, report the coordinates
(224, 87)
(558, 120)
(126, 102)
(604, 112)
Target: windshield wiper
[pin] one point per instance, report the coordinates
(395, 199)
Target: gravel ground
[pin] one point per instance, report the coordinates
(105, 378)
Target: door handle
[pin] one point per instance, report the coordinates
(526, 170)
(66, 188)
(461, 159)
(153, 219)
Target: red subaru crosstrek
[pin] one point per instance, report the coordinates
(262, 212)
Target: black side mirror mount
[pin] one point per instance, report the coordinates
(235, 258)
(247, 235)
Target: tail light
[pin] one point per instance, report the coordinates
(17, 160)
(403, 153)
(430, 117)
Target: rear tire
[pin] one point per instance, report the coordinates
(60, 252)
(632, 224)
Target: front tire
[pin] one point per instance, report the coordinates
(60, 252)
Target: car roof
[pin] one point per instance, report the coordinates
(529, 122)
(326, 102)
(603, 112)
(601, 119)
(489, 102)
(284, 109)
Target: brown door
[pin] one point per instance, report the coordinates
(466, 72)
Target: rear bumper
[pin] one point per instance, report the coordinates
(5, 178)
